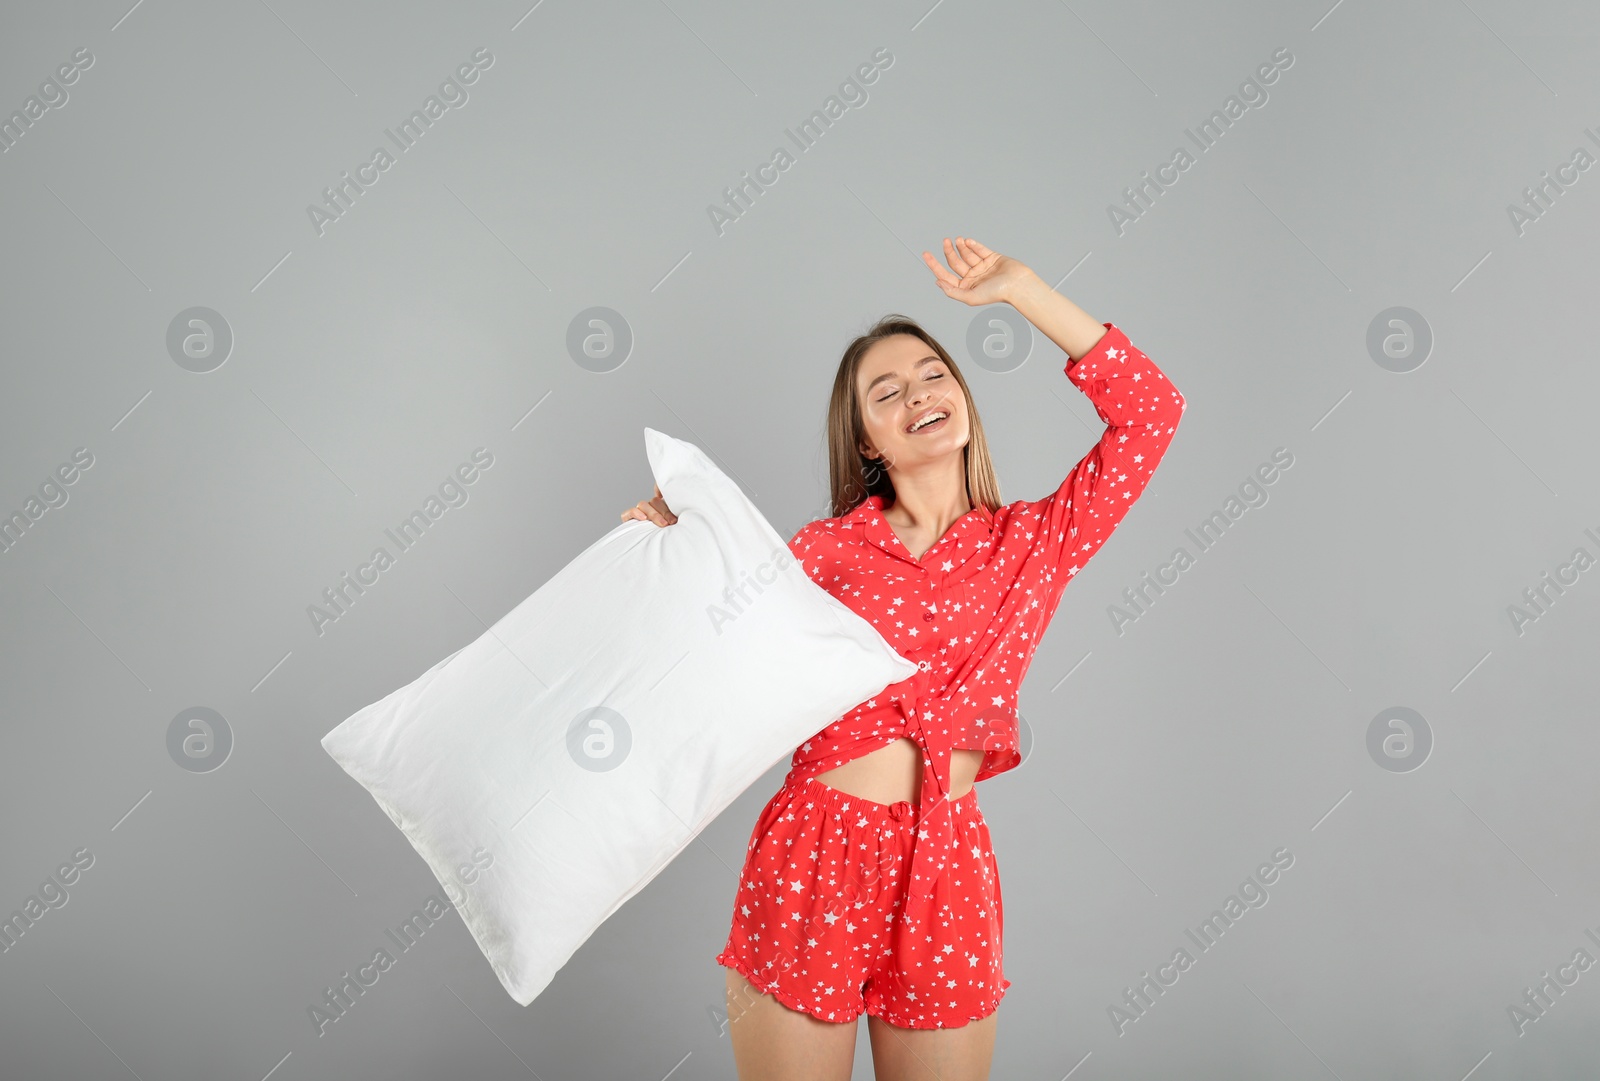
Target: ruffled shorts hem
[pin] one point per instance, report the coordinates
(898, 1021)
(728, 960)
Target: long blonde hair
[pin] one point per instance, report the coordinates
(852, 477)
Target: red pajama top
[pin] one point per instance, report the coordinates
(970, 612)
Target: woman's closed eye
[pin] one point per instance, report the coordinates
(892, 393)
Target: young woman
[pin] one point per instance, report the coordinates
(869, 884)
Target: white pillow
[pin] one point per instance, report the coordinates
(550, 769)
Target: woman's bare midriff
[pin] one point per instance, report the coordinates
(894, 773)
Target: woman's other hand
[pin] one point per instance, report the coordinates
(651, 510)
(981, 276)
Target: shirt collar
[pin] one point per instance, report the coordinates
(977, 525)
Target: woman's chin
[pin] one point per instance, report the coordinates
(934, 446)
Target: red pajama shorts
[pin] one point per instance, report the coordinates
(816, 917)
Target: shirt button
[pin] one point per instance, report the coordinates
(928, 616)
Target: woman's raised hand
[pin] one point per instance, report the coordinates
(651, 510)
(981, 276)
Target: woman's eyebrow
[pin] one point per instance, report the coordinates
(890, 375)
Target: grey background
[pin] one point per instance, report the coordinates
(1168, 761)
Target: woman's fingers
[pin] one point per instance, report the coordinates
(952, 286)
(660, 504)
(979, 274)
(946, 280)
(980, 260)
(957, 257)
(651, 510)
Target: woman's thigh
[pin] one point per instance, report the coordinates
(771, 1042)
(922, 1054)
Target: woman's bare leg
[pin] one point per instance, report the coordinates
(939, 1054)
(771, 1042)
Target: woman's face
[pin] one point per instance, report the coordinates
(899, 381)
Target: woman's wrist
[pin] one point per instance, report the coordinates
(1074, 330)
(1028, 290)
